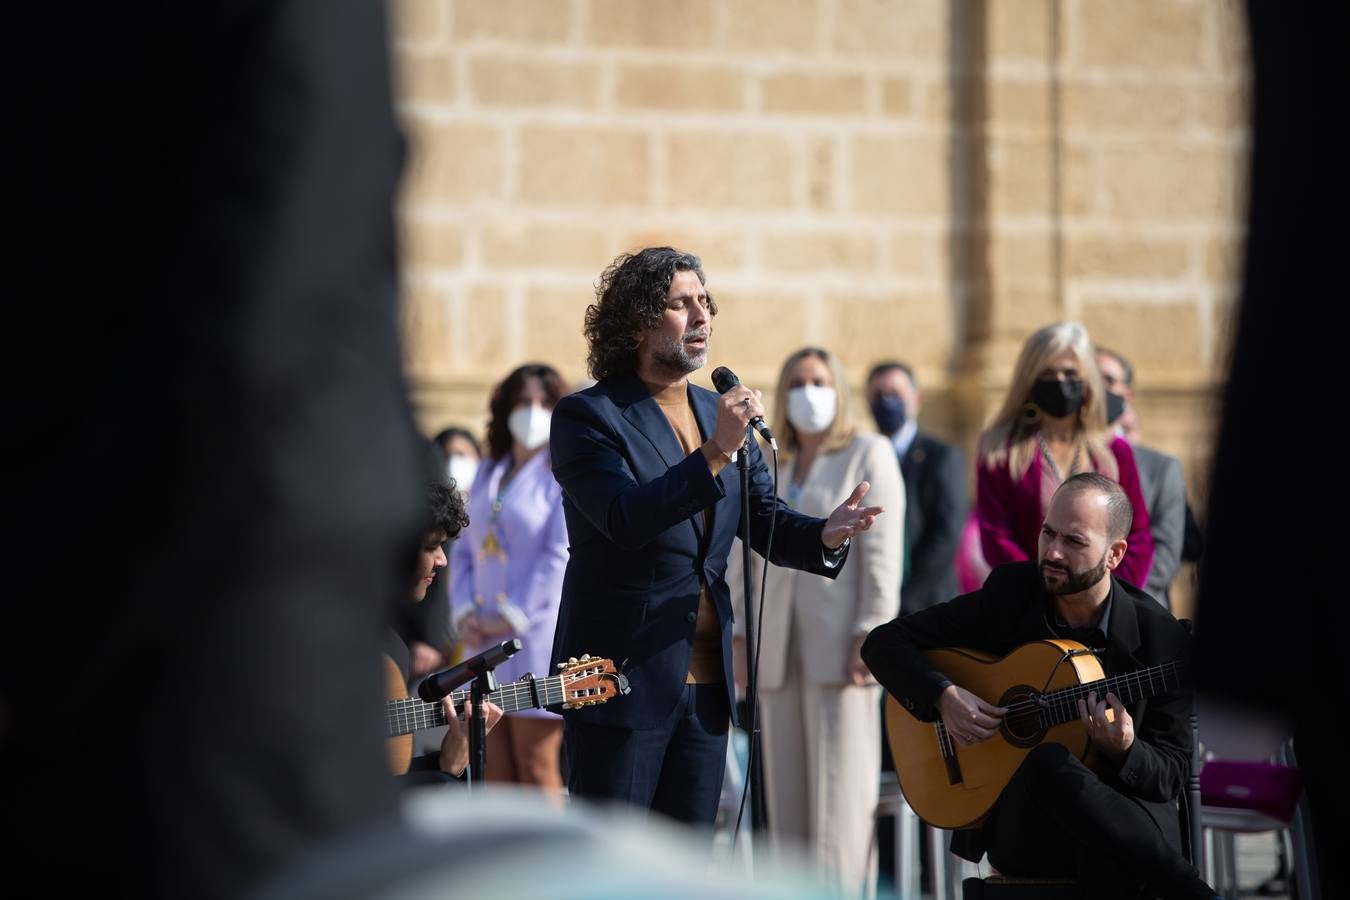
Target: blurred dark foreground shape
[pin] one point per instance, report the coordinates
(1271, 611)
(212, 486)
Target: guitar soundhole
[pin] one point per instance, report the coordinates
(1022, 726)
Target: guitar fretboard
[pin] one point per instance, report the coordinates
(1058, 707)
(411, 714)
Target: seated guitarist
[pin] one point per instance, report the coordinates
(445, 517)
(1114, 827)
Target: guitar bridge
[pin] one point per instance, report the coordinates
(948, 747)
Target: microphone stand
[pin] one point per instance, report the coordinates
(483, 686)
(754, 773)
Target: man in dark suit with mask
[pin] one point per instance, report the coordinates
(1159, 476)
(935, 488)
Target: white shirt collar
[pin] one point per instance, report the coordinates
(903, 438)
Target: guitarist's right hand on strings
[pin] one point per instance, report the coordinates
(969, 719)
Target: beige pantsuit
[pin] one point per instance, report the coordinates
(821, 734)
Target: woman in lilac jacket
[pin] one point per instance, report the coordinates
(1052, 425)
(507, 568)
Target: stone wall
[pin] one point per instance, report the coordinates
(927, 179)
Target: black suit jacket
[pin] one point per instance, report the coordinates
(936, 506)
(634, 501)
(1010, 610)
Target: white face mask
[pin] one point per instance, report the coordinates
(463, 470)
(529, 426)
(810, 408)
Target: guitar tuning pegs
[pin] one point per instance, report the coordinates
(585, 657)
(571, 660)
(562, 665)
(567, 706)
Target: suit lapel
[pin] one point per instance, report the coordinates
(643, 412)
(704, 405)
(914, 457)
(1122, 638)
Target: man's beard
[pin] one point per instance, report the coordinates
(676, 356)
(1074, 582)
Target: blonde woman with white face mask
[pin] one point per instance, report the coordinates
(819, 705)
(506, 569)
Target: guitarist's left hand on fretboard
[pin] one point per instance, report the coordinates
(1109, 725)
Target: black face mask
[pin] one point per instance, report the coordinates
(1058, 398)
(1115, 407)
(889, 413)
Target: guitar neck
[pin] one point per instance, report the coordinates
(1062, 706)
(411, 714)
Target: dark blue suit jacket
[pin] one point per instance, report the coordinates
(936, 507)
(639, 550)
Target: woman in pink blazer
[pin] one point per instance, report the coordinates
(1052, 425)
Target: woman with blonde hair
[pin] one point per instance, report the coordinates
(818, 702)
(1052, 425)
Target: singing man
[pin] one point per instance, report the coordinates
(652, 499)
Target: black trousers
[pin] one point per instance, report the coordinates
(1057, 818)
(674, 769)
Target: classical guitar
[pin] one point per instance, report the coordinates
(954, 786)
(580, 682)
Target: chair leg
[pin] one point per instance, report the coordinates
(1302, 846)
(1225, 852)
(1303, 856)
(906, 852)
(937, 860)
(1208, 870)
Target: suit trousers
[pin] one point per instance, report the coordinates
(822, 775)
(675, 769)
(1057, 818)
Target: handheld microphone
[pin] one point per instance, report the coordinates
(724, 380)
(438, 684)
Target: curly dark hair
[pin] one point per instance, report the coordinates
(507, 394)
(630, 297)
(445, 508)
